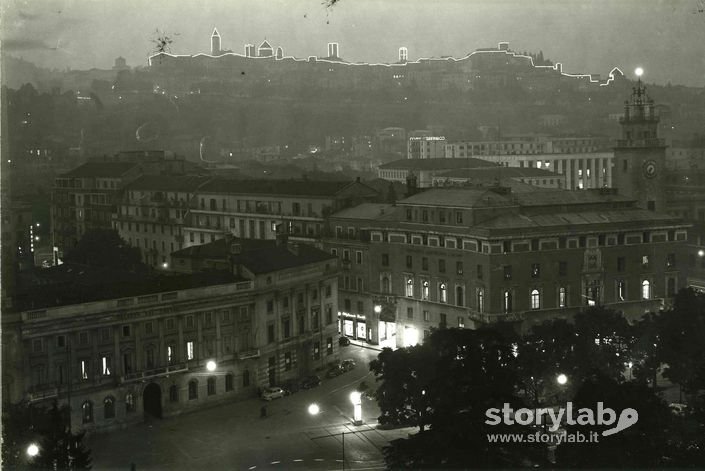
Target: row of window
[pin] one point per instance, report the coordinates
(109, 401)
(286, 330)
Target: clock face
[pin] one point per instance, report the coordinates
(649, 169)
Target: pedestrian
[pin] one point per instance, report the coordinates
(263, 412)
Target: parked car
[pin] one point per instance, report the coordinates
(343, 341)
(272, 393)
(336, 370)
(348, 364)
(310, 382)
(678, 408)
(291, 386)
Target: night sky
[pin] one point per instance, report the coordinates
(666, 37)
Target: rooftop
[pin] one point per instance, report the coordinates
(437, 164)
(455, 197)
(99, 169)
(167, 183)
(275, 187)
(503, 172)
(572, 219)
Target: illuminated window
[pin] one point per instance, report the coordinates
(87, 412)
(410, 287)
(84, 369)
(480, 299)
(535, 299)
(106, 367)
(621, 290)
(507, 301)
(189, 350)
(443, 293)
(561, 297)
(129, 402)
(108, 408)
(646, 289)
(424, 289)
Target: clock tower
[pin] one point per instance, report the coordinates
(640, 156)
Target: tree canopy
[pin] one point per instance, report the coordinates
(105, 248)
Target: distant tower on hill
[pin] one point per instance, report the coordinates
(265, 50)
(333, 50)
(640, 156)
(215, 43)
(280, 53)
(250, 50)
(403, 54)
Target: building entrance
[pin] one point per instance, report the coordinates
(152, 401)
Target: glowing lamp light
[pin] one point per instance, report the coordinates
(411, 336)
(32, 450)
(165, 265)
(639, 71)
(701, 253)
(210, 366)
(355, 397)
(561, 379)
(313, 409)
(378, 308)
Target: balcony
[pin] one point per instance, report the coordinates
(246, 354)
(154, 373)
(42, 392)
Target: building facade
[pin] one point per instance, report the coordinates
(466, 257)
(117, 359)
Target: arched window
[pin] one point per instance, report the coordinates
(193, 389)
(246, 378)
(109, 408)
(535, 299)
(481, 300)
(87, 412)
(507, 301)
(410, 287)
(561, 297)
(459, 296)
(173, 393)
(443, 293)
(211, 386)
(424, 289)
(385, 284)
(229, 382)
(129, 402)
(646, 289)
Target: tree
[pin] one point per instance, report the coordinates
(59, 449)
(445, 387)
(642, 445)
(105, 248)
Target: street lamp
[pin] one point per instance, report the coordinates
(356, 399)
(210, 366)
(561, 379)
(639, 71)
(32, 450)
(313, 409)
(701, 253)
(378, 308)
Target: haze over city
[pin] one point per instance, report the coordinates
(664, 37)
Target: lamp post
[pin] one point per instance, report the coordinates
(32, 450)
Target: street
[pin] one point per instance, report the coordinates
(234, 437)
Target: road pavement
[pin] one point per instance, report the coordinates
(234, 437)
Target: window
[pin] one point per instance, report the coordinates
(621, 264)
(562, 268)
(148, 329)
(646, 289)
(409, 312)
(458, 217)
(671, 260)
(671, 286)
(37, 345)
(535, 270)
(461, 322)
(129, 402)
(105, 334)
(442, 293)
(385, 285)
(61, 341)
(329, 346)
(409, 261)
(173, 393)
(480, 299)
(87, 412)
(270, 333)
(346, 255)
(83, 369)
(385, 259)
(507, 301)
(246, 378)
(108, 408)
(441, 265)
(561, 297)
(149, 357)
(270, 306)
(208, 319)
(358, 257)
(334, 252)
(507, 272)
(645, 261)
(410, 287)
(229, 382)
(535, 299)
(444, 321)
(479, 272)
(424, 289)
(286, 324)
(192, 389)
(426, 316)
(170, 354)
(317, 350)
(211, 386)
(424, 263)
(459, 296)
(189, 350)
(170, 324)
(106, 365)
(621, 290)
